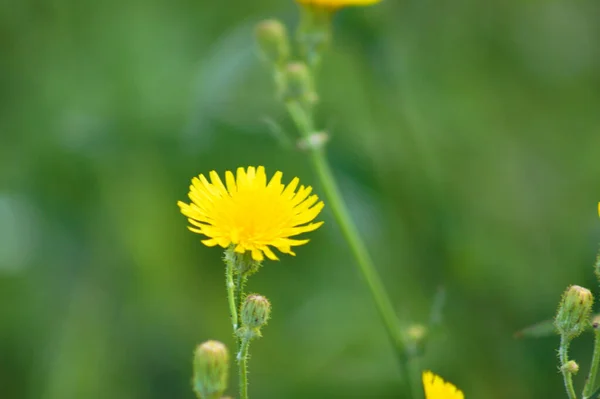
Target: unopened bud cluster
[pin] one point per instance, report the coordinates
(293, 79)
(574, 311)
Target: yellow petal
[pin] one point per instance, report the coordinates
(436, 388)
(261, 177)
(257, 255)
(275, 182)
(269, 253)
(216, 182)
(230, 181)
(289, 190)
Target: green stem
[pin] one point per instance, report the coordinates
(229, 266)
(414, 375)
(366, 267)
(590, 384)
(563, 354)
(240, 283)
(242, 359)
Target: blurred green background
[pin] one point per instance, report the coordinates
(465, 136)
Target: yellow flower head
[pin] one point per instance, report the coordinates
(250, 213)
(437, 388)
(335, 4)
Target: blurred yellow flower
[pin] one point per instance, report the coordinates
(334, 4)
(437, 388)
(250, 213)
(598, 208)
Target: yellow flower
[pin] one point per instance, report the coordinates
(250, 213)
(437, 388)
(334, 4)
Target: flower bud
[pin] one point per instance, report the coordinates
(211, 370)
(272, 38)
(574, 311)
(299, 85)
(255, 311)
(570, 367)
(415, 336)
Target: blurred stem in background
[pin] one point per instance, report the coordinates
(590, 384)
(340, 211)
(295, 87)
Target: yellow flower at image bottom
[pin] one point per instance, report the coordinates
(333, 4)
(251, 213)
(436, 388)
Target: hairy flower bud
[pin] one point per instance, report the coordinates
(272, 38)
(255, 311)
(570, 367)
(574, 311)
(211, 369)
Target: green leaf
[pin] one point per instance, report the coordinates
(539, 330)
(542, 329)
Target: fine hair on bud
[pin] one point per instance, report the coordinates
(211, 370)
(272, 39)
(256, 311)
(573, 315)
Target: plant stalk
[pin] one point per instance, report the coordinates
(229, 266)
(242, 359)
(304, 123)
(563, 354)
(590, 384)
(240, 284)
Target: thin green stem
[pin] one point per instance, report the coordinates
(563, 355)
(590, 384)
(242, 359)
(414, 373)
(229, 266)
(240, 284)
(304, 123)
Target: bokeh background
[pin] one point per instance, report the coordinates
(465, 137)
